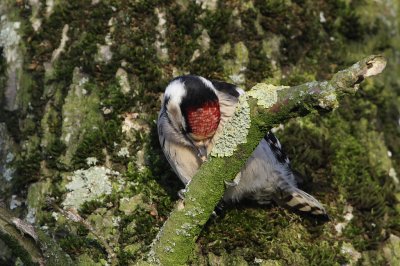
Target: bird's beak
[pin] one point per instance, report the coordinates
(202, 153)
(200, 144)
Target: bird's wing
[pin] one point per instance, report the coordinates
(182, 158)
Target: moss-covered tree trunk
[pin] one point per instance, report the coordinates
(79, 157)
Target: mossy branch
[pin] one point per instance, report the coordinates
(31, 245)
(269, 105)
(23, 246)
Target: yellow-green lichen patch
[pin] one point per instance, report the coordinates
(391, 250)
(350, 252)
(105, 223)
(266, 94)
(235, 131)
(88, 185)
(129, 205)
(329, 98)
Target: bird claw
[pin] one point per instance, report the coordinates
(181, 193)
(202, 157)
(219, 210)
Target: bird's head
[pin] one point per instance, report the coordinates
(193, 110)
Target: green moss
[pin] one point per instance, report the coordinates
(17, 250)
(81, 244)
(3, 79)
(51, 123)
(86, 260)
(81, 115)
(268, 234)
(27, 91)
(90, 146)
(53, 152)
(27, 163)
(105, 223)
(88, 29)
(129, 205)
(361, 183)
(90, 206)
(219, 25)
(360, 179)
(137, 48)
(182, 27)
(112, 96)
(350, 26)
(35, 199)
(373, 257)
(259, 67)
(95, 141)
(52, 251)
(141, 237)
(225, 259)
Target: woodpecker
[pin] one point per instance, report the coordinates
(193, 112)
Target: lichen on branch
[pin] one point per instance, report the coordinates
(235, 130)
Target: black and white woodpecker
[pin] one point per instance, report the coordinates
(193, 112)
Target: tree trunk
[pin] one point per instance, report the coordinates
(80, 83)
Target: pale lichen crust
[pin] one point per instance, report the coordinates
(235, 130)
(88, 185)
(266, 94)
(328, 99)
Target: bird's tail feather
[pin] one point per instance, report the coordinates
(295, 198)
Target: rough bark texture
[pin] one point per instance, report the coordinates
(79, 89)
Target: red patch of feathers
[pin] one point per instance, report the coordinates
(204, 120)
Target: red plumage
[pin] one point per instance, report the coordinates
(203, 121)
